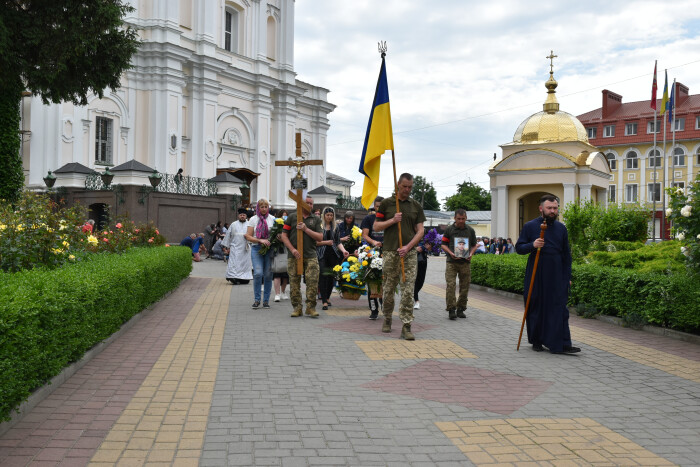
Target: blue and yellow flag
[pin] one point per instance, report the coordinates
(379, 139)
(672, 106)
(664, 98)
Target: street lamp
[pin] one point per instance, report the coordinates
(49, 180)
(155, 179)
(107, 177)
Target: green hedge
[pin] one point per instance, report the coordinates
(50, 318)
(666, 300)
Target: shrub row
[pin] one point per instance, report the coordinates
(671, 300)
(50, 318)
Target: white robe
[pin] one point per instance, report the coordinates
(240, 266)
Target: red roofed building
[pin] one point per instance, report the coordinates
(624, 132)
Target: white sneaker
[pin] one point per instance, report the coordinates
(416, 306)
(285, 296)
(277, 298)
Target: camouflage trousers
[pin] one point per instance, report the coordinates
(454, 270)
(311, 273)
(391, 277)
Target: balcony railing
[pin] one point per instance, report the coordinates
(352, 202)
(168, 184)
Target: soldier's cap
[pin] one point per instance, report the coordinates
(462, 242)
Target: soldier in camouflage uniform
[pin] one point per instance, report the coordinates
(313, 232)
(459, 242)
(411, 218)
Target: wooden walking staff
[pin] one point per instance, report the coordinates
(299, 183)
(543, 227)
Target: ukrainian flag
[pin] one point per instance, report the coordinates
(664, 99)
(379, 138)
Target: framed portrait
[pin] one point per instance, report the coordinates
(461, 247)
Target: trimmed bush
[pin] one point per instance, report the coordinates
(671, 300)
(50, 318)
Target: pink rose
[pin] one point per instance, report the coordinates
(150, 240)
(119, 225)
(157, 233)
(105, 240)
(136, 230)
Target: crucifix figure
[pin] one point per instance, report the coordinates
(551, 58)
(298, 184)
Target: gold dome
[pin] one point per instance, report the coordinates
(551, 125)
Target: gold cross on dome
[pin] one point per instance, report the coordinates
(551, 58)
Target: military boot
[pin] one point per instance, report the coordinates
(387, 324)
(460, 313)
(452, 314)
(296, 313)
(312, 313)
(406, 333)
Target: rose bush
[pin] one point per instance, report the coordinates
(684, 215)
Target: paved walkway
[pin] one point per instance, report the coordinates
(202, 379)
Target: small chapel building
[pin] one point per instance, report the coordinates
(549, 154)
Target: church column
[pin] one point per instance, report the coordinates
(569, 194)
(205, 89)
(262, 106)
(585, 192)
(501, 212)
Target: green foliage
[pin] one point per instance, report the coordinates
(591, 225)
(38, 232)
(425, 193)
(671, 300)
(50, 318)
(662, 258)
(11, 173)
(470, 197)
(684, 214)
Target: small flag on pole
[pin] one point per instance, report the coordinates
(379, 139)
(664, 98)
(653, 89)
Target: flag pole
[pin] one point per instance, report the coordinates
(396, 196)
(673, 133)
(656, 175)
(662, 235)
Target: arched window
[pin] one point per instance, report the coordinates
(655, 158)
(611, 160)
(678, 157)
(231, 25)
(698, 156)
(271, 38)
(632, 160)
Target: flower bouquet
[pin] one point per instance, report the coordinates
(371, 264)
(433, 241)
(275, 241)
(349, 280)
(354, 241)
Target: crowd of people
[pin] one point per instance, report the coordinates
(398, 234)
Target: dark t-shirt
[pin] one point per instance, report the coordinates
(412, 214)
(290, 226)
(460, 241)
(368, 223)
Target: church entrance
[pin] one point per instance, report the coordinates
(100, 214)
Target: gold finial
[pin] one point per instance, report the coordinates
(551, 58)
(551, 105)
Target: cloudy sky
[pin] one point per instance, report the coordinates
(464, 74)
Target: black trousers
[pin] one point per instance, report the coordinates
(325, 282)
(420, 278)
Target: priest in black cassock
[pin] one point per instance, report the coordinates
(548, 316)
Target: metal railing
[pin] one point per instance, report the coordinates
(353, 202)
(168, 184)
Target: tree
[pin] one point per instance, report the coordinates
(470, 197)
(60, 50)
(425, 193)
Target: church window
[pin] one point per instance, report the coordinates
(103, 141)
(609, 131)
(654, 193)
(678, 157)
(611, 193)
(631, 193)
(271, 38)
(655, 158)
(679, 124)
(632, 160)
(630, 129)
(231, 20)
(698, 156)
(650, 127)
(592, 132)
(611, 160)
(697, 123)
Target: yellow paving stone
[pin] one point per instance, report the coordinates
(581, 442)
(132, 462)
(419, 349)
(113, 445)
(174, 400)
(185, 462)
(333, 311)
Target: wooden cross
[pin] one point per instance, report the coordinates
(298, 196)
(551, 58)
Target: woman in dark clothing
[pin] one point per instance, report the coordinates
(420, 273)
(330, 252)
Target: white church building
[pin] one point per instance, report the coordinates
(212, 90)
